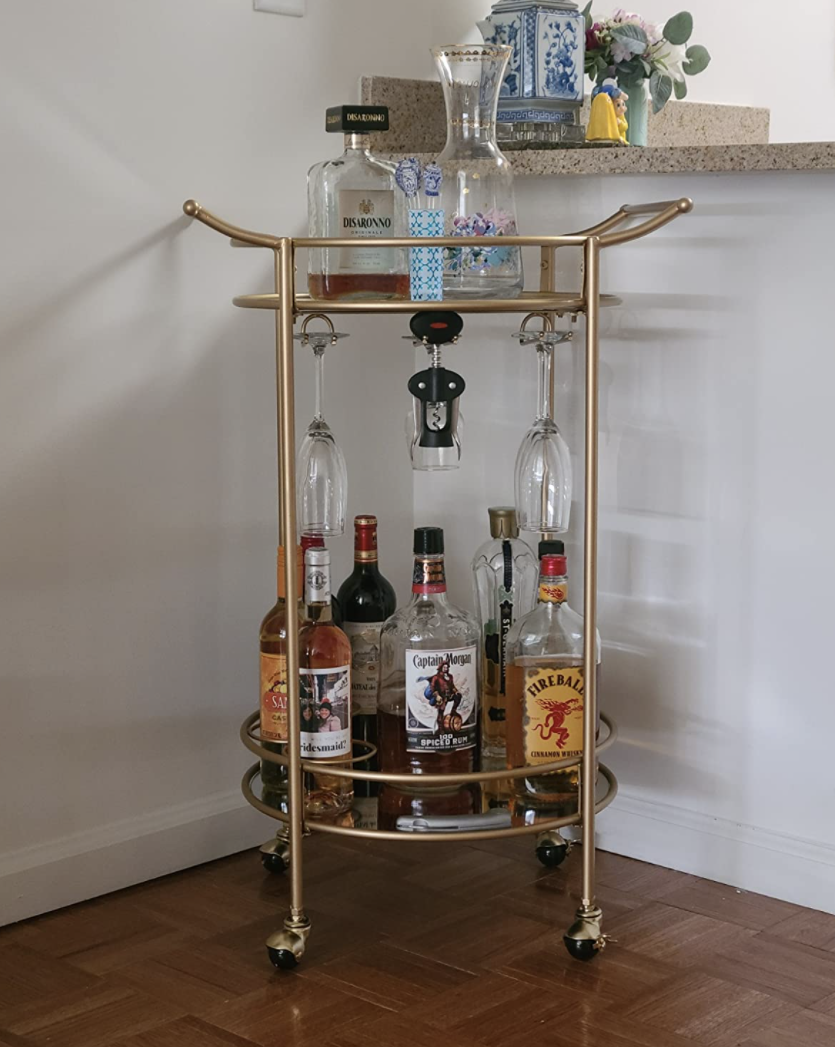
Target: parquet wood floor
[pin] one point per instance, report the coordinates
(421, 946)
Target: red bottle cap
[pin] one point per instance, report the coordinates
(312, 541)
(553, 566)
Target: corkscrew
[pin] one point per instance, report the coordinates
(433, 426)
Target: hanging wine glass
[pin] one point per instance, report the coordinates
(543, 464)
(321, 476)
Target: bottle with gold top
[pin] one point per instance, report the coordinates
(545, 689)
(273, 701)
(504, 577)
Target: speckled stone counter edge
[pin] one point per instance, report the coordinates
(719, 138)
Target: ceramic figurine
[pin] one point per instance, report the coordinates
(607, 120)
(544, 79)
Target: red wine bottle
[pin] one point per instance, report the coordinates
(366, 600)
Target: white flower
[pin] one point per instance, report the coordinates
(671, 58)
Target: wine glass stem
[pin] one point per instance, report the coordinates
(319, 365)
(545, 404)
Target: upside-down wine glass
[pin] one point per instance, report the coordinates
(321, 476)
(543, 463)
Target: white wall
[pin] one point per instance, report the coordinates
(137, 410)
(764, 53)
(716, 515)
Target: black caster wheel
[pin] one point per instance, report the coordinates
(273, 863)
(283, 959)
(551, 855)
(585, 949)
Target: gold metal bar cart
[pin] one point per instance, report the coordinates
(584, 938)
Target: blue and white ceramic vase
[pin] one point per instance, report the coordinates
(544, 80)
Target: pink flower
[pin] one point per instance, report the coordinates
(592, 39)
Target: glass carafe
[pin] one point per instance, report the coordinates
(477, 191)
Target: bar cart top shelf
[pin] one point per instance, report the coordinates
(614, 230)
(559, 302)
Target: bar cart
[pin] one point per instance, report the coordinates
(584, 938)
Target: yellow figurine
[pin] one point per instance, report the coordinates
(607, 120)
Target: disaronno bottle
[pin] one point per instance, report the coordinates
(545, 689)
(356, 197)
(429, 674)
(505, 574)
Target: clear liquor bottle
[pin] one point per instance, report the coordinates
(324, 692)
(545, 688)
(505, 574)
(367, 600)
(429, 678)
(355, 196)
(273, 701)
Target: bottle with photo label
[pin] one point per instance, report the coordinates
(324, 692)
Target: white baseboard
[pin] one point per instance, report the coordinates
(71, 869)
(768, 862)
(85, 865)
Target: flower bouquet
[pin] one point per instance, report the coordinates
(629, 49)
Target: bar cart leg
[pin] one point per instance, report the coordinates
(286, 947)
(584, 938)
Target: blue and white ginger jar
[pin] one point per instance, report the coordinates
(544, 81)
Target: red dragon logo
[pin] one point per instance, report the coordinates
(553, 726)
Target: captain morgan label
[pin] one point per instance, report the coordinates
(366, 213)
(325, 697)
(365, 665)
(552, 713)
(441, 698)
(274, 697)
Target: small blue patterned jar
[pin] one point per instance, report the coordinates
(544, 81)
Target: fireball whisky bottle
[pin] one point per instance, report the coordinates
(545, 693)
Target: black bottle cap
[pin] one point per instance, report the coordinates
(551, 548)
(429, 541)
(357, 119)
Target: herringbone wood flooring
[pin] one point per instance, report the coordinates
(421, 946)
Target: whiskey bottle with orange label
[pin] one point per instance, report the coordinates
(545, 687)
(273, 703)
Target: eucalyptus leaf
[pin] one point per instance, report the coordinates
(586, 13)
(646, 67)
(680, 88)
(698, 59)
(660, 89)
(679, 28)
(630, 34)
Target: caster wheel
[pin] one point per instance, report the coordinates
(552, 855)
(283, 959)
(585, 949)
(273, 863)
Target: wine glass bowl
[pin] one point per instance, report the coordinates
(543, 479)
(543, 476)
(321, 482)
(321, 475)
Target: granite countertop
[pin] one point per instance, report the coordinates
(684, 137)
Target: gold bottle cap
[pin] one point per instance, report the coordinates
(503, 522)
